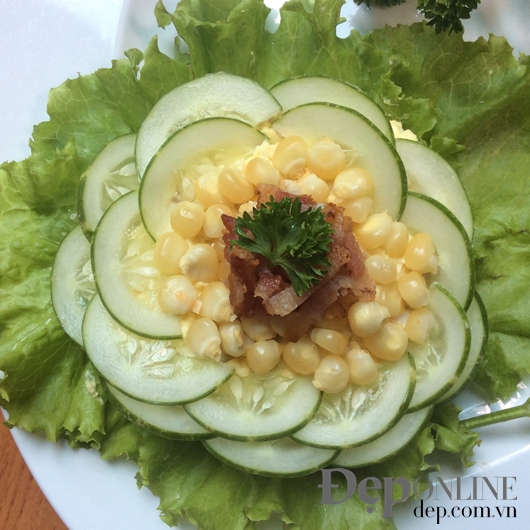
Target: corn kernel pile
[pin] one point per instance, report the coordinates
(346, 350)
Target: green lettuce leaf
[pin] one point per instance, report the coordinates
(469, 101)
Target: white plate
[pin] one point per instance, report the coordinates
(45, 42)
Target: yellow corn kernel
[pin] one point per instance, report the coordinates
(388, 296)
(314, 186)
(223, 270)
(177, 296)
(279, 325)
(329, 339)
(258, 327)
(397, 241)
(413, 289)
(389, 343)
(168, 251)
(353, 183)
(374, 231)
(240, 366)
(203, 339)
(206, 189)
(200, 263)
(358, 209)
(215, 299)
(382, 270)
(326, 159)
(233, 184)
(419, 325)
(233, 338)
(363, 369)
(301, 357)
(366, 318)
(263, 356)
(260, 171)
(213, 225)
(332, 374)
(219, 247)
(290, 156)
(186, 218)
(419, 254)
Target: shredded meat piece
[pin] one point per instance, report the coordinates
(268, 284)
(253, 285)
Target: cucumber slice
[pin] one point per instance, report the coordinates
(153, 371)
(365, 147)
(429, 174)
(111, 175)
(170, 175)
(451, 243)
(126, 278)
(312, 89)
(165, 420)
(72, 282)
(478, 322)
(386, 445)
(441, 360)
(214, 95)
(360, 414)
(276, 458)
(257, 407)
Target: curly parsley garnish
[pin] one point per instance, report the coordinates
(296, 240)
(444, 15)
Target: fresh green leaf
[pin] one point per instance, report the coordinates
(451, 436)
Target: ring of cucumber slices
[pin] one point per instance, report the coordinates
(72, 283)
(359, 414)
(165, 420)
(149, 370)
(134, 308)
(277, 423)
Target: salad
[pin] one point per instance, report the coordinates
(111, 445)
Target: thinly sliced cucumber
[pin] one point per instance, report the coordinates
(215, 95)
(213, 143)
(257, 407)
(360, 414)
(441, 360)
(364, 144)
(111, 175)
(386, 445)
(72, 282)
(320, 89)
(153, 371)
(276, 458)
(165, 420)
(126, 278)
(451, 244)
(429, 174)
(478, 322)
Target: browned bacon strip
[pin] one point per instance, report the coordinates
(253, 285)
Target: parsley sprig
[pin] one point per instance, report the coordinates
(296, 240)
(443, 15)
